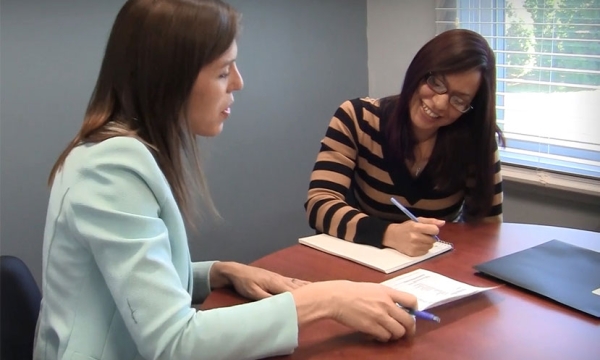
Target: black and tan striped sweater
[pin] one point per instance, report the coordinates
(352, 182)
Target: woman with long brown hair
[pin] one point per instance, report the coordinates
(118, 280)
(433, 148)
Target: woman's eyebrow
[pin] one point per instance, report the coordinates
(453, 92)
(227, 62)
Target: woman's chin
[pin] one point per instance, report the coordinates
(423, 121)
(212, 132)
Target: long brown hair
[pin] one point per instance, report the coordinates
(154, 53)
(467, 146)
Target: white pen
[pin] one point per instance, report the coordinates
(409, 214)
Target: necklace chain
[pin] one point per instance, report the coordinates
(422, 153)
(420, 165)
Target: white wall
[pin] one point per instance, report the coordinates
(396, 30)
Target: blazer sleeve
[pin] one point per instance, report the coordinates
(112, 211)
(201, 274)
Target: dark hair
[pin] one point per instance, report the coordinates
(467, 146)
(155, 51)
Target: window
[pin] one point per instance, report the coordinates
(548, 73)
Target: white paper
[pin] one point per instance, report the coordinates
(432, 289)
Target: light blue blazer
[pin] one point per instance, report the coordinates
(118, 281)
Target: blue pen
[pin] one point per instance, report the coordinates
(421, 314)
(409, 214)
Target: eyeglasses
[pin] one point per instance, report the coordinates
(437, 85)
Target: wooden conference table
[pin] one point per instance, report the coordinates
(503, 323)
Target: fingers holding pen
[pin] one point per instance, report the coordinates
(404, 301)
(433, 221)
(372, 309)
(366, 307)
(409, 237)
(395, 322)
(390, 329)
(425, 225)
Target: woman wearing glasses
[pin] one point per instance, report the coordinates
(433, 148)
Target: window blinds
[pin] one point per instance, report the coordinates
(548, 77)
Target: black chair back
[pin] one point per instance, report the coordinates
(20, 300)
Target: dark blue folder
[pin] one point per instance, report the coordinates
(562, 272)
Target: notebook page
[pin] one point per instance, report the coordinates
(386, 260)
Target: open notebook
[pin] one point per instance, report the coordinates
(385, 260)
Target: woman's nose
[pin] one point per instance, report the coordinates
(441, 101)
(237, 82)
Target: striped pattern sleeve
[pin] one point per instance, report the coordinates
(327, 208)
(495, 213)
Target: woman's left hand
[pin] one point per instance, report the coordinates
(252, 282)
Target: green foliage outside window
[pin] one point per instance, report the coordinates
(553, 41)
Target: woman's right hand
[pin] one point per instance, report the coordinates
(367, 307)
(412, 238)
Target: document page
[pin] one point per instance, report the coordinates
(432, 289)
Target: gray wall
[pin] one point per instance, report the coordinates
(50, 53)
(395, 32)
(532, 204)
(299, 60)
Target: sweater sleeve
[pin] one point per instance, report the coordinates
(327, 206)
(495, 213)
(112, 211)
